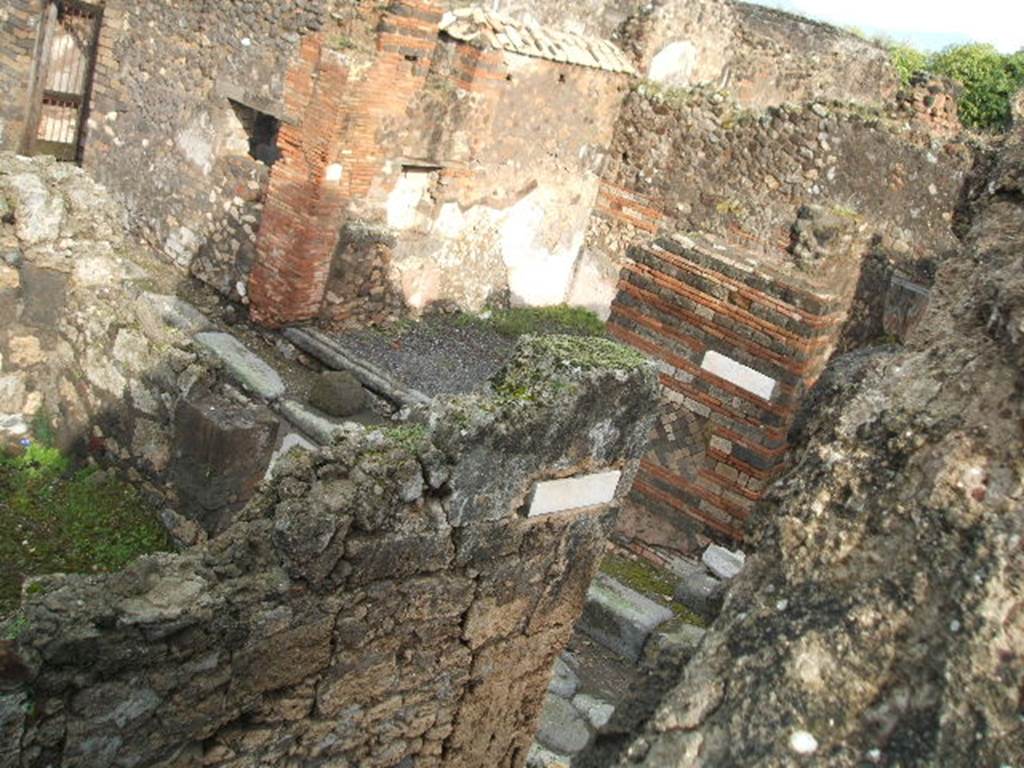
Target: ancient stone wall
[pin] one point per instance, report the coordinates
(397, 597)
(96, 346)
(762, 56)
(432, 208)
(694, 161)
(880, 619)
(176, 87)
(19, 31)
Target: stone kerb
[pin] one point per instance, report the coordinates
(383, 599)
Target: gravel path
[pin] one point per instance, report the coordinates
(436, 356)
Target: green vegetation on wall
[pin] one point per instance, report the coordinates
(989, 78)
(55, 519)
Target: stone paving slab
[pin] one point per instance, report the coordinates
(620, 618)
(244, 366)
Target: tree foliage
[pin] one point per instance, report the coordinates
(989, 78)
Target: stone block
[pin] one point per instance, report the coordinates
(598, 712)
(244, 366)
(12, 392)
(564, 680)
(338, 393)
(155, 310)
(701, 592)
(563, 728)
(44, 294)
(673, 644)
(221, 452)
(619, 618)
(722, 562)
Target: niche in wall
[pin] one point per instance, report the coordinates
(249, 131)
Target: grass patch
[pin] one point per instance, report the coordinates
(55, 519)
(647, 579)
(538, 321)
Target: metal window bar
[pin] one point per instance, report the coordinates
(69, 60)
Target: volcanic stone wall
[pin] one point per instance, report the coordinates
(693, 161)
(739, 341)
(396, 598)
(166, 135)
(19, 30)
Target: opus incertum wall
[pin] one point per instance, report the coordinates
(739, 340)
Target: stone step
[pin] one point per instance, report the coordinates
(620, 618)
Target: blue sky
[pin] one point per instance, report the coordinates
(928, 24)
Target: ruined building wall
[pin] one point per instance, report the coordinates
(96, 346)
(19, 30)
(398, 597)
(880, 618)
(430, 206)
(762, 56)
(695, 161)
(739, 338)
(172, 90)
(471, 227)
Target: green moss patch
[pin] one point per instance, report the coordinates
(535, 321)
(55, 519)
(648, 580)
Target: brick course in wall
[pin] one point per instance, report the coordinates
(718, 442)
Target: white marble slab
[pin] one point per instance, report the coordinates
(574, 493)
(740, 375)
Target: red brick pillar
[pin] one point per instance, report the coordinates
(306, 199)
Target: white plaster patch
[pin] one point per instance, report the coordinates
(403, 202)
(333, 173)
(197, 142)
(537, 276)
(740, 375)
(574, 493)
(674, 64)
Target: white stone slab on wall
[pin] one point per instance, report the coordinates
(574, 493)
(741, 375)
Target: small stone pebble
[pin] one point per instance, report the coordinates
(803, 743)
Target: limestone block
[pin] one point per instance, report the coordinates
(154, 310)
(244, 366)
(562, 727)
(564, 680)
(598, 712)
(722, 562)
(619, 618)
(12, 392)
(25, 351)
(38, 214)
(9, 277)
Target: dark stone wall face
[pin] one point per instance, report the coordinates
(163, 135)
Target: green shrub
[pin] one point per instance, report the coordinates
(907, 60)
(989, 78)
